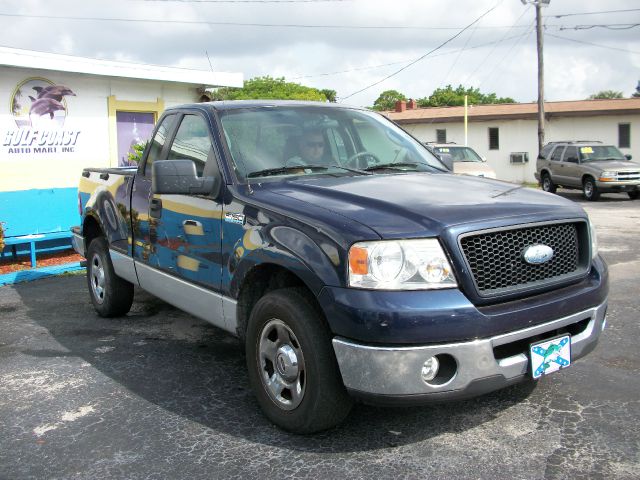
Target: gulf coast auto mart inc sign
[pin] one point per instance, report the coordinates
(39, 110)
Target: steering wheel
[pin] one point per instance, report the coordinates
(351, 160)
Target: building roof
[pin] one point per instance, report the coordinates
(15, 57)
(516, 111)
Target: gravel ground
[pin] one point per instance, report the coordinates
(161, 395)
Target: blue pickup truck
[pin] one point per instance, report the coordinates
(344, 255)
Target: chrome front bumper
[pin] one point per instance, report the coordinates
(385, 373)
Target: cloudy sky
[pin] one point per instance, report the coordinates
(349, 45)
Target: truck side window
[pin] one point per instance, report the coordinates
(192, 142)
(557, 154)
(571, 155)
(158, 142)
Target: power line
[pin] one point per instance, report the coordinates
(614, 26)
(240, 24)
(426, 54)
(611, 26)
(515, 44)
(248, 1)
(371, 67)
(495, 46)
(593, 44)
(595, 13)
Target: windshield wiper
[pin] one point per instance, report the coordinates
(383, 166)
(280, 170)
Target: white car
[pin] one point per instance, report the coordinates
(465, 159)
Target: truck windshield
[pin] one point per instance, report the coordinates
(595, 153)
(283, 140)
(460, 154)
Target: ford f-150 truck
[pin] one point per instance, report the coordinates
(344, 255)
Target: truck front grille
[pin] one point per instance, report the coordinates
(496, 258)
(628, 176)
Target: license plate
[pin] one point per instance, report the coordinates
(550, 356)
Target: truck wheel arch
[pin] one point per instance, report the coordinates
(262, 279)
(91, 229)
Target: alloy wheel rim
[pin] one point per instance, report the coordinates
(281, 365)
(97, 279)
(588, 189)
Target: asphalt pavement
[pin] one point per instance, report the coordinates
(159, 394)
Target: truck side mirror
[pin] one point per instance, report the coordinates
(628, 156)
(447, 159)
(180, 177)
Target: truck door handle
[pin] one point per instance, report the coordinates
(155, 208)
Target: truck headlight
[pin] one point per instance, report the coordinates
(400, 265)
(594, 240)
(608, 176)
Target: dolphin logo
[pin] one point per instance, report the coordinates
(45, 106)
(54, 91)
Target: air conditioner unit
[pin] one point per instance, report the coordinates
(519, 157)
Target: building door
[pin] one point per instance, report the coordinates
(132, 128)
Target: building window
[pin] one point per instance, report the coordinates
(624, 135)
(494, 138)
(441, 136)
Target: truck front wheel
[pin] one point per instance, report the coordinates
(292, 367)
(590, 189)
(111, 295)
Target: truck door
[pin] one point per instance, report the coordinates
(571, 167)
(556, 166)
(185, 238)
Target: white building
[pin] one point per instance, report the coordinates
(63, 113)
(498, 131)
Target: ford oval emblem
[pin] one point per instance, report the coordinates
(537, 254)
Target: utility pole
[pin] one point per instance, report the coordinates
(540, 42)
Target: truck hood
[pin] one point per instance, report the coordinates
(615, 165)
(415, 205)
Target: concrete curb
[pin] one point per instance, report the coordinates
(37, 273)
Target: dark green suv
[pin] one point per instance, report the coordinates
(593, 167)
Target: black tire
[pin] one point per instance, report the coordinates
(285, 325)
(634, 194)
(590, 190)
(111, 295)
(547, 183)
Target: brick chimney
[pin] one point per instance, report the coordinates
(412, 105)
(401, 106)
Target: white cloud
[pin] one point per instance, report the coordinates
(508, 68)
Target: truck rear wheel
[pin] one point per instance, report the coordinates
(292, 368)
(111, 295)
(633, 195)
(547, 184)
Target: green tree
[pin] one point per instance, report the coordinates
(330, 95)
(448, 96)
(636, 94)
(269, 88)
(605, 94)
(387, 100)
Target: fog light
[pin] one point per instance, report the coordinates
(430, 369)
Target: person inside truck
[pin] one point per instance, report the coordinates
(310, 149)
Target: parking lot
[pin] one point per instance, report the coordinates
(159, 394)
